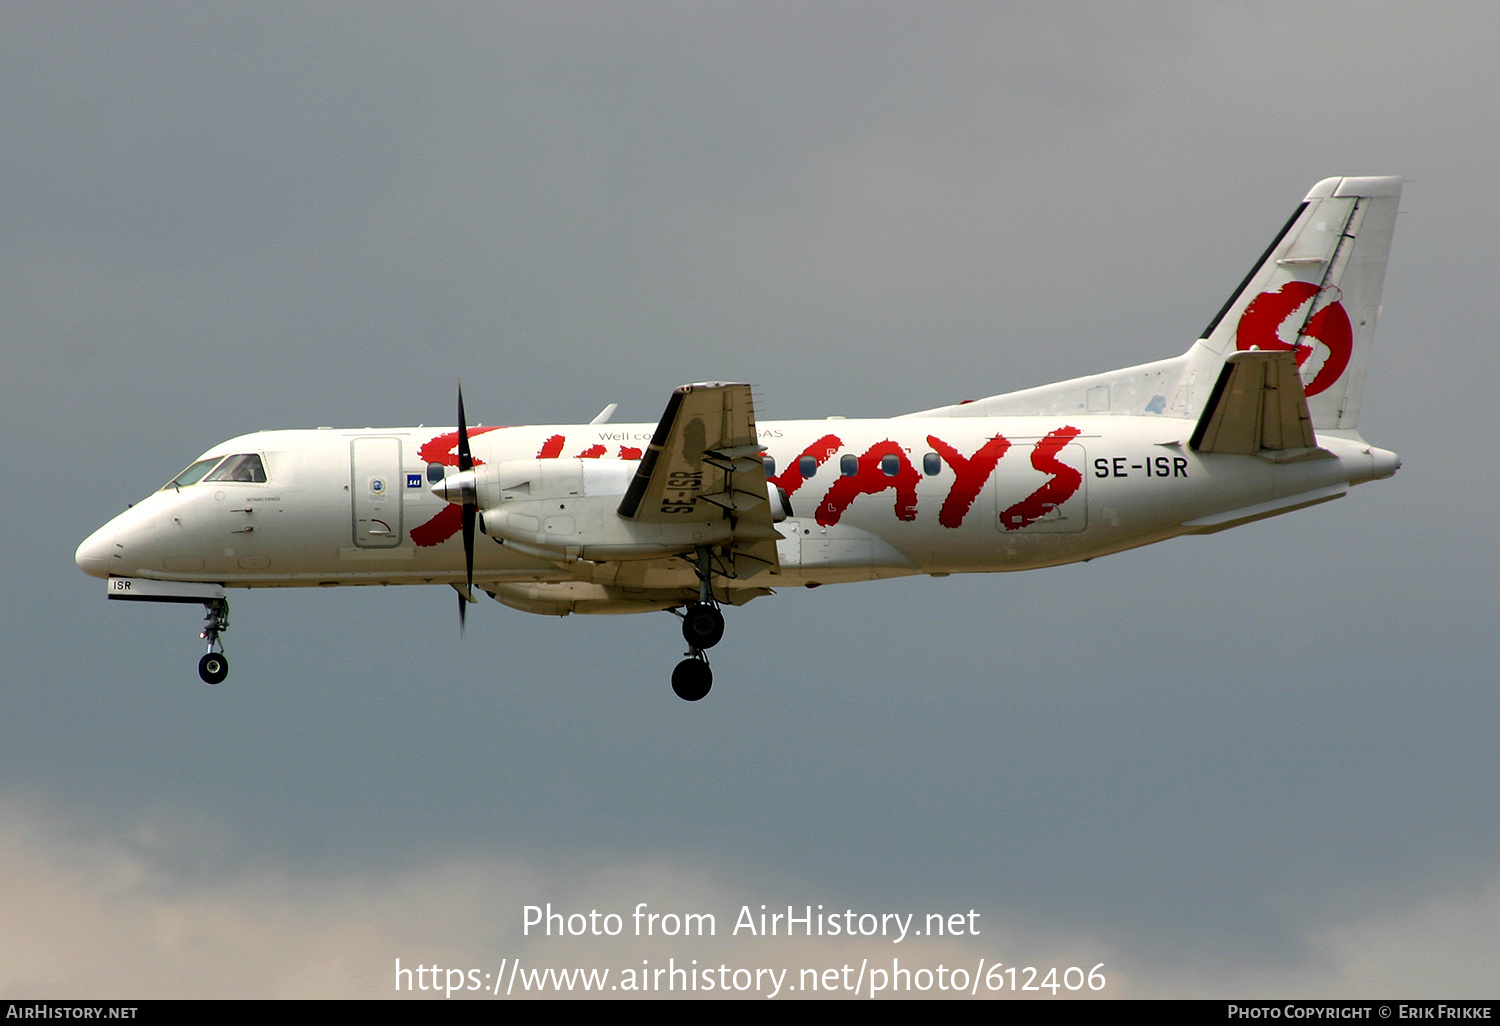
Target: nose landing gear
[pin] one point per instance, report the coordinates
(214, 666)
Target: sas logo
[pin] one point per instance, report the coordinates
(414, 480)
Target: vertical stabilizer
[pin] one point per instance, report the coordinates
(1316, 291)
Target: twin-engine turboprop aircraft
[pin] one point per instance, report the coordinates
(711, 507)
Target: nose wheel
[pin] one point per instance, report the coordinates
(214, 666)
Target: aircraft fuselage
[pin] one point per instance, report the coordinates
(884, 498)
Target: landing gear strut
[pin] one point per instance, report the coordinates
(702, 628)
(214, 666)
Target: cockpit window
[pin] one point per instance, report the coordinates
(241, 467)
(193, 474)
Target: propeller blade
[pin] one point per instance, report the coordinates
(470, 511)
(465, 457)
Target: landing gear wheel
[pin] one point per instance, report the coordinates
(692, 679)
(702, 625)
(213, 668)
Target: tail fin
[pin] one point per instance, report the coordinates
(1316, 291)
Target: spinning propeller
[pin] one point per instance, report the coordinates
(471, 510)
(460, 489)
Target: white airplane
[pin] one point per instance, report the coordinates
(710, 507)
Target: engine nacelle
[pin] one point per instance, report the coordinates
(568, 509)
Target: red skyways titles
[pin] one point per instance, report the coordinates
(885, 465)
(970, 474)
(444, 448)
(552, 449)
(820, 452)
(1057, 490)
(450, 519)
(870, 478)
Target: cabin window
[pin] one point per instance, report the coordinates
(849, 464)
(244, 467)
(192, 475)
(932, 464)
(435, 473)
(807, 466)
(770, 462)
(890, 466)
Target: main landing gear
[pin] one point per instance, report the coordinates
(702, 629)
(692, 678)
(214, 666)
(702, 625)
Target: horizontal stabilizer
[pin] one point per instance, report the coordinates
(1261, 510)
(1257, 405)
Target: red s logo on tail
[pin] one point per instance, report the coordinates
(1262, 320)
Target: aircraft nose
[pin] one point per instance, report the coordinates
(93, 555)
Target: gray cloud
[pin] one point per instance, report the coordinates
(110, 915)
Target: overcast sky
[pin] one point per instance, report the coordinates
(1260, 762)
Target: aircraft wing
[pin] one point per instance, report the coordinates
(704, 466)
